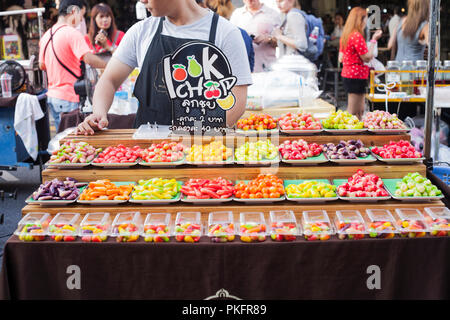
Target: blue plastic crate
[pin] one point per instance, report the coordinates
(443, 173)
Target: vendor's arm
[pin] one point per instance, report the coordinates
(115, 74)
(94, 61)
(233, 115)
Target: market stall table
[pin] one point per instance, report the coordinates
(268, 270)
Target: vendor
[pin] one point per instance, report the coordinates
(172, 24)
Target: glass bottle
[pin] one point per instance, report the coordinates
(406, 78)
(392, 77)
(439, 78)
(447, 75)
(420, 79)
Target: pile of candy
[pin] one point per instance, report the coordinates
(119, 154)
(351, 149)
(415, 185)
(221, 232)
(66, 232)
(94, 233)
(214, 151)
(256, 151)
(58, 190)
(156, 189)
(33, 231)
(218, 188)
(299, 149)
(412, 228)
(251, 232)
(188, 232)
(379, 119)
(363, 185)
(283, 231)
(257, 122)
(264, 186)
(342, 120)
(106, 190)
(397, 150)
(156, 233)
(163, 152)
(380, 229)
(299, 121)
(316, 231)
(311, 189)
(126, 232)
(350, 230)
(74, 152)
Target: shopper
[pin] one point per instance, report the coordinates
(338, 29)
(103, 36)
(225, 8)
(354, 53)
(411, 35)
(259, 21)
(394, 21)
(61, 49)
(172, 24)
(291, 35)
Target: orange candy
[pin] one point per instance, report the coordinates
(106, 190)
(264, 186)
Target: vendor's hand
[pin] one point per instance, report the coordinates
(377, 35)
(92, 123)
(276, 33)
(261, 38)
(101, 39)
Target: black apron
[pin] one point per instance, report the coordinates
(154, 102)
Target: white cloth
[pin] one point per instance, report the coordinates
(137, 39)
(26, 113)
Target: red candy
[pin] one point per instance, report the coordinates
(299, 149)
(218, 188)
(363, 185)
(163, 152)
(300, 121)
(397, 150)
(118, 154)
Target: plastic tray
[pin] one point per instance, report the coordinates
(310, 219)
(252, 221)
(369, 159)
(64, 226)
(68, 165)
(338, 182)
(205, 201)
(221, 226)
(115, 165)
(308, 161)
(30, 200)
(252, 133)
(95, 227)
(163, 164)
(283, 225)
(390, 186)
(381, 224)
(438, 221)
(345, 131)
(212, 163)
(157, 201)
(301, 132)
(157, 227)
(307, 200)
(188, 227)
(397, 161)
(410, 223)
(107, 202)
(131, 223)
(389, 131)
(259, 200)
(346, 222)
(37, 221)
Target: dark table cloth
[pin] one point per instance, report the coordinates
(335, 269)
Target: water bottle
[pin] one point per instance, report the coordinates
(314, 35)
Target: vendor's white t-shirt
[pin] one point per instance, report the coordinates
(134, 45)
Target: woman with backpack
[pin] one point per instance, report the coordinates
(291, 35)
(353, 53)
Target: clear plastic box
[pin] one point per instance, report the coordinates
(127, 226)
(221, 227)
(410, 223)
(157, 227)
(381, 224)
(95, 227)
(64, 226)
(350, 224)
(438, 221)
(283, 225)
(317, 225)
(252, 227)
(33, 227)
(188, 227)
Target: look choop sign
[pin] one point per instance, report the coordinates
(199, 81)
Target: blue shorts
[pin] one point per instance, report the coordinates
(57, 106)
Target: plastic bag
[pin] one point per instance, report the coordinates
(53, 145)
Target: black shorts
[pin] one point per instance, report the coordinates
(355, 85)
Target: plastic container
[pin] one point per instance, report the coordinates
(252, 227)
(410, 223)
(95, 227)
(188, 227)
(283, 225)
(157, 227)
(221, 226)
(33, 227)
(381, 224)
(438, 221)
(316, 225)
(127, 226)
(64, 226)
(350, 224)
(393, 77)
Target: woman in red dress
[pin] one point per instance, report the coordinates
(353, 53)
(103, 36)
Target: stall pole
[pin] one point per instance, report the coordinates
(429, 104)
